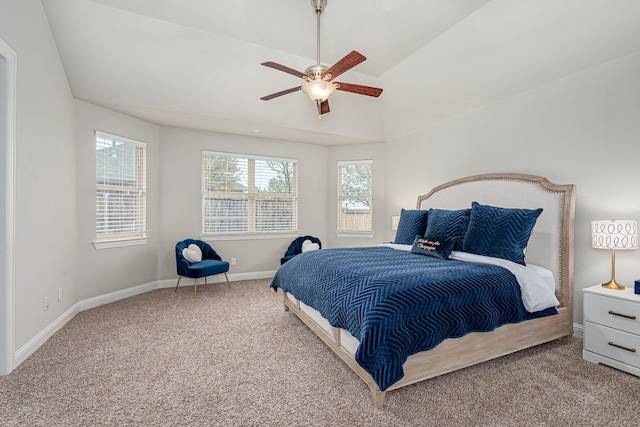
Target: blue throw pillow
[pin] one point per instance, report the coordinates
(435, 248)
(446, 225)
(500, 232)
(412, 223)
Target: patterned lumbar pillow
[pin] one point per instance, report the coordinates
(308, 245)
(192, 253)
(432, 247)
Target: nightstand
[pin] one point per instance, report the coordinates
(612, 328)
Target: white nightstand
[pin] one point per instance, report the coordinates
(612, 328)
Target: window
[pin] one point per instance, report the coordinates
(248, 195)
(355, 198)
(120, 188)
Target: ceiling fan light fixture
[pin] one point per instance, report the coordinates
(318, 90)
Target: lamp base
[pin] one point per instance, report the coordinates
(612, 284)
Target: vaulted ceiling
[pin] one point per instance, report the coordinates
(196, 63)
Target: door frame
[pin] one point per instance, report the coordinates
(8, 81)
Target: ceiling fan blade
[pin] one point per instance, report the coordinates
(283, 92)
(352, 59)
(359, 89)
(286, 69)
(323, 107)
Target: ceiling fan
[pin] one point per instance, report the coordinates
(319, 85)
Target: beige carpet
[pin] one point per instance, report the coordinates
(235, 357)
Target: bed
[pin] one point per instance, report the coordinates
(397, 317)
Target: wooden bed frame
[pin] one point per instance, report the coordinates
(550, 246)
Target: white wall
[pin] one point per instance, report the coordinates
(583, 129)
(180, 198)
(45, 199)
(107, 270)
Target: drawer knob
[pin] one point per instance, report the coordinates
(632, 350)
(626, 316)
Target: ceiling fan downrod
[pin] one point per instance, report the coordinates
(318, 6)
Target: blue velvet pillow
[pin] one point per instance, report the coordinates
(446, 225)
(412, 223)
(434, 248)
(500, 232)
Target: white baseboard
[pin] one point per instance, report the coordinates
(578, 329)
(34, 343)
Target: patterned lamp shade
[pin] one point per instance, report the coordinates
(622, 234)
(614, 235)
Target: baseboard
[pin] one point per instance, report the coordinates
(34, 343)
(235, 277)
(578, 330)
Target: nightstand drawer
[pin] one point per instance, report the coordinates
(613, 312)
(612, 343)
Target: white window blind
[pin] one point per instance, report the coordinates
(355, 197)
(120, 188)
(244, 194)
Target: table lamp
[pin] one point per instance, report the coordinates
(614, 235)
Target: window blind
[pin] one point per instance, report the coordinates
(355, 197)
(244, 194)
(120, 187)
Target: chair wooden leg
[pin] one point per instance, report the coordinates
(195, 287)
(179, 277)
(227, 277)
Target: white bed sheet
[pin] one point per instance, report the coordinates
(537, 285)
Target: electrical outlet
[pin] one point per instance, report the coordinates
(46, 304)
(59, 294)
(233, 261)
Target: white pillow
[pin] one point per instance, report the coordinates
(308, 245)
(192, 253)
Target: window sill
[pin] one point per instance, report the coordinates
(107, 244)
(248, 236)
(355, 235)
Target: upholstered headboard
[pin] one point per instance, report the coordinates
(551, 242)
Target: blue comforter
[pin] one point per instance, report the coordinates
(397, 303)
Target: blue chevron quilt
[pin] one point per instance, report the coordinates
(397, 303)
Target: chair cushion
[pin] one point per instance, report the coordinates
(308, 245)
(207, 267)
(192, 253)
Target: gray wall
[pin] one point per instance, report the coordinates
(583, 129)
(46, 246)
(102, 271)
(180, 196)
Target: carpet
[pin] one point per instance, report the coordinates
(234, 357)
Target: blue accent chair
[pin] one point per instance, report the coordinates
(295, 247)
(210, 265)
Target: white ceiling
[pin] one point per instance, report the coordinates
(196, 63)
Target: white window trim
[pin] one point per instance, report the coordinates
(251, 235)
(365, 235)
(117, 242)
(248, 236)
(355, 234)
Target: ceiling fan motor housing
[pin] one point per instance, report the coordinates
(315, 72)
